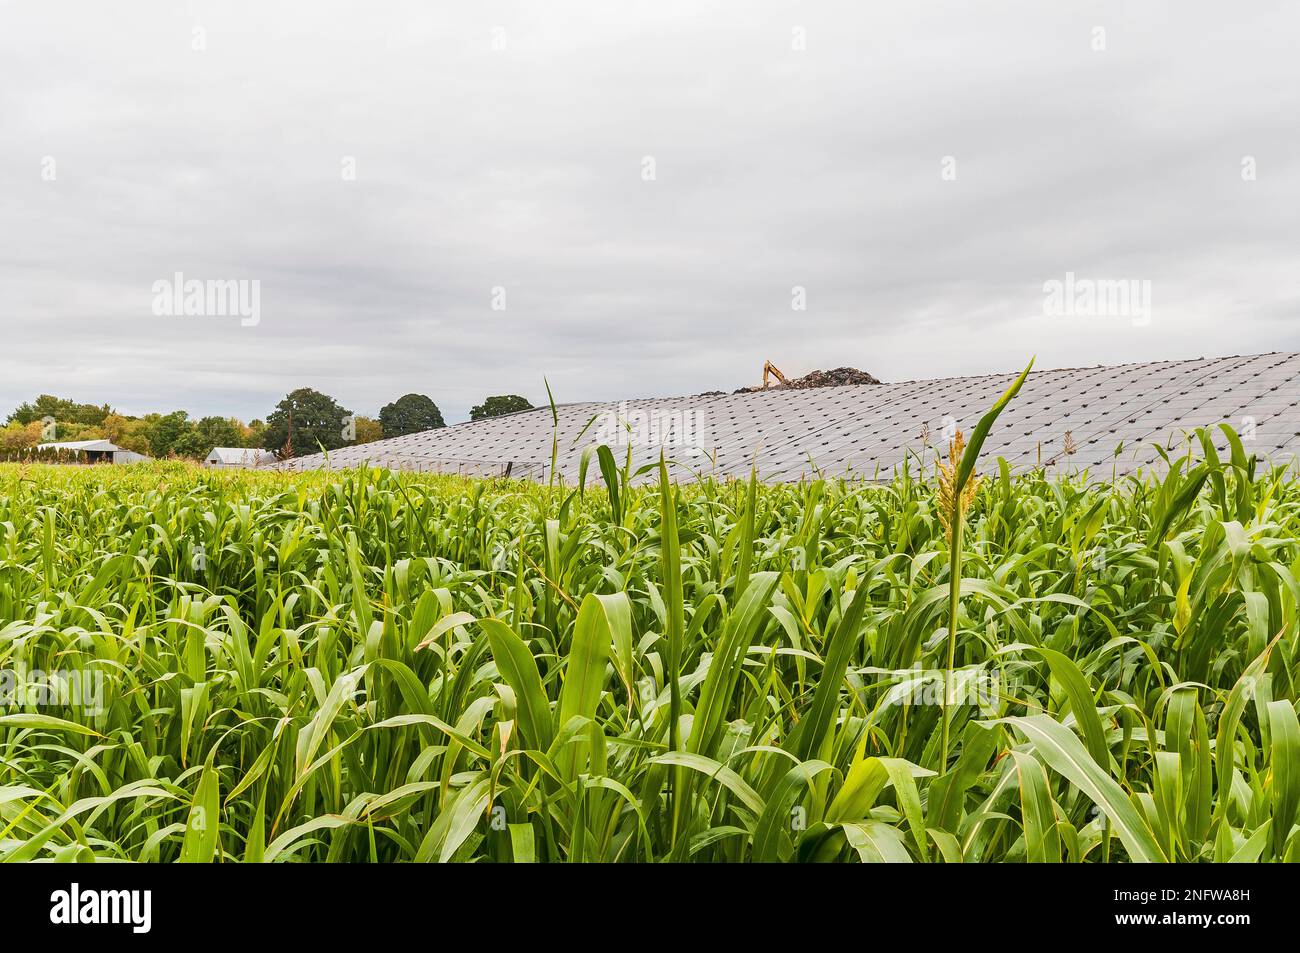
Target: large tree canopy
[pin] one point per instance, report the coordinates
(496, 406)
(317, 422)
(63, 411)
(411, 413)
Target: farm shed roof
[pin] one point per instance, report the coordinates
(104, 446)
(239, 456)
(868, 430)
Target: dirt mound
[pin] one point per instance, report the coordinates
(836, 378)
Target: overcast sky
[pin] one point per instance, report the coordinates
(920, 170)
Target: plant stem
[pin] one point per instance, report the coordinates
(954, 598)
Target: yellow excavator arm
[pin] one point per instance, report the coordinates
(770, 370)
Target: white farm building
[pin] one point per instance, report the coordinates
(238, 458)
(97, 451)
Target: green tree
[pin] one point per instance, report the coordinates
(62, 410)
(209, 432)
(317, 422)
(253, 433)
(411, 413)
(129, 433)
(496, 406)
(165, 431)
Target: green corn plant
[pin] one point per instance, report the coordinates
(957, 483)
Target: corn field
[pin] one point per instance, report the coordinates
(392, 667)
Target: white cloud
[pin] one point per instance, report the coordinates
(522, 168)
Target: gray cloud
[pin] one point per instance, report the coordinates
(521, 168)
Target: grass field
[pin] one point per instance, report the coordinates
(366, 666)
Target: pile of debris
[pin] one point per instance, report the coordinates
(836, 378)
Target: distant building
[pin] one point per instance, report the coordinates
(97, 451)
(233, 458)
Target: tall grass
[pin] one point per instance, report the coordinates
(372, 666)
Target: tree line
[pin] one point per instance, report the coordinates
(305, 421)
